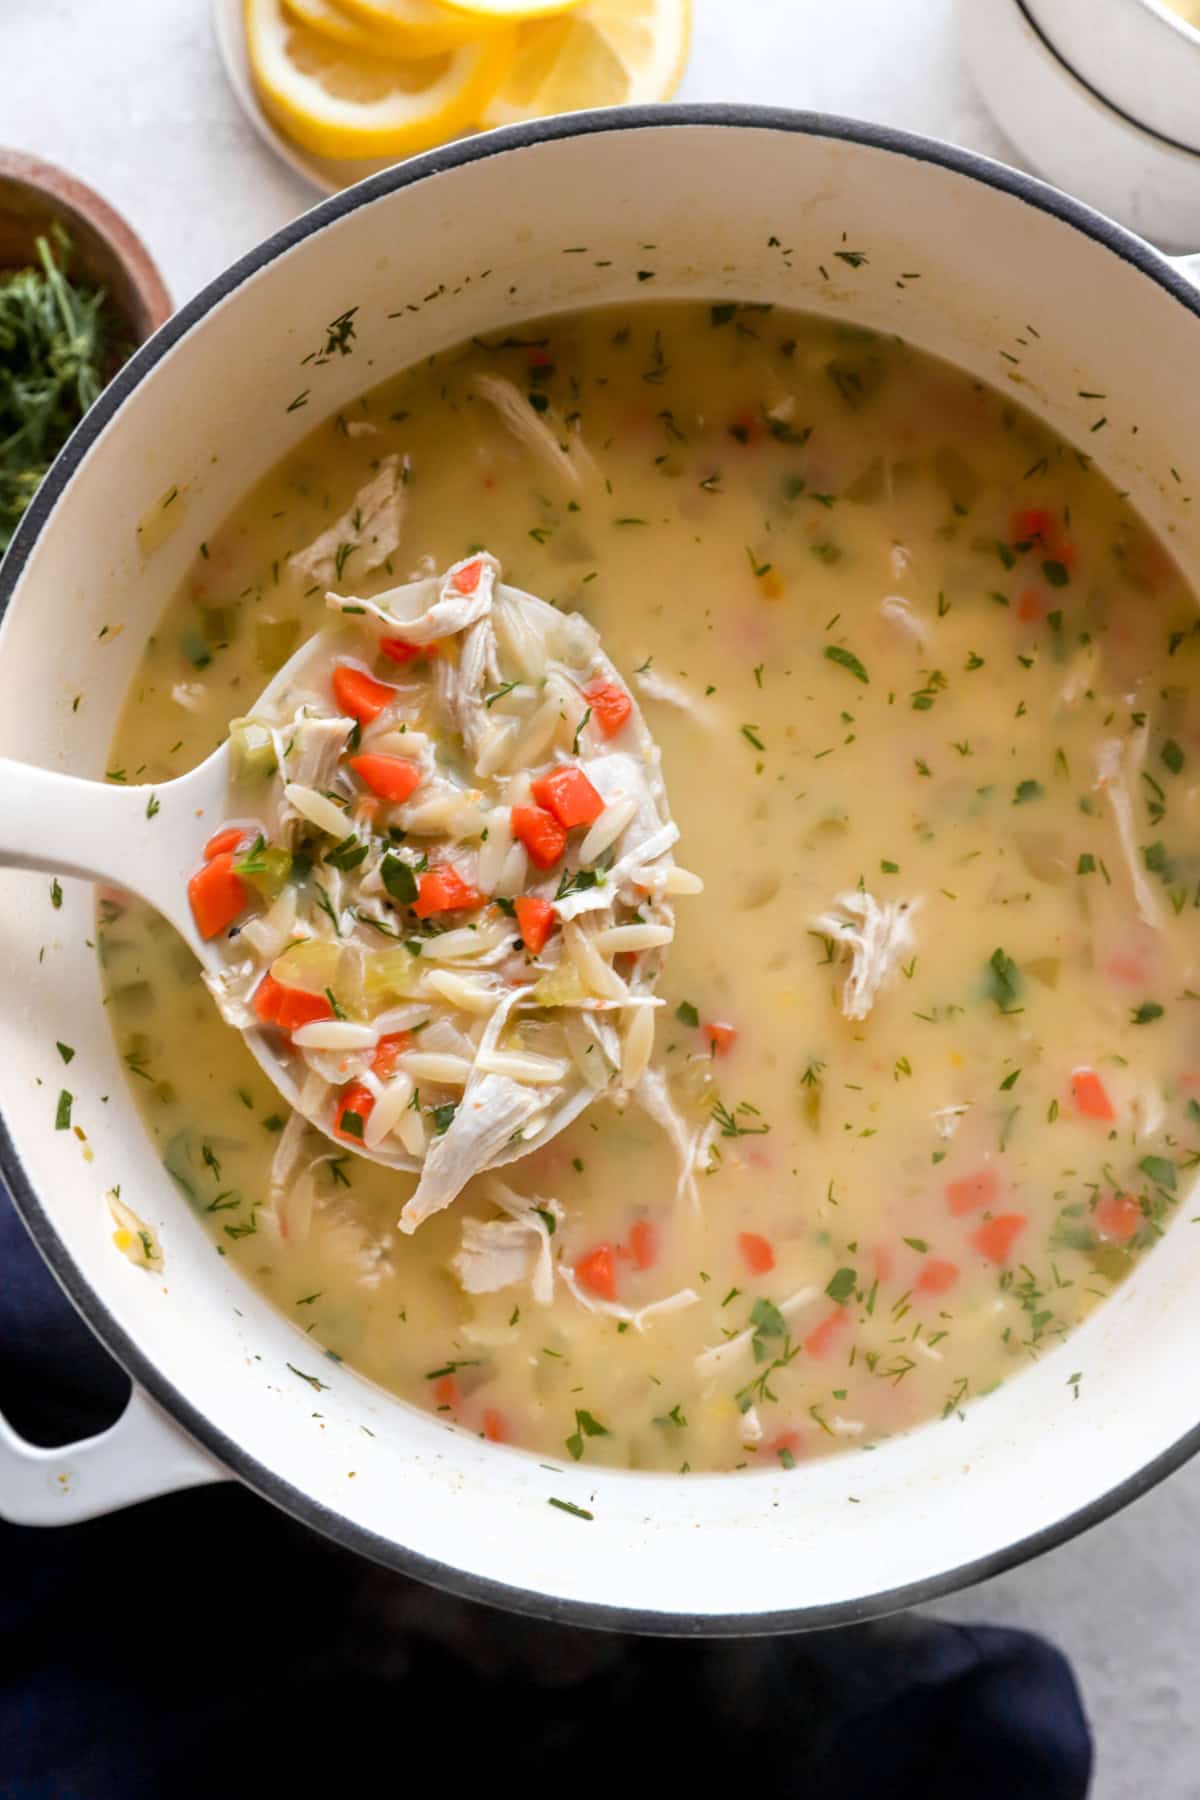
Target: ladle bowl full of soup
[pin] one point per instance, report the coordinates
(871, 467)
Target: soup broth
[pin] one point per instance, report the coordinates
(925, 690)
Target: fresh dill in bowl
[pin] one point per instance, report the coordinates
(60, 342)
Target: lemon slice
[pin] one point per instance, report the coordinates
(514, 10)
(602, 53)
(387, 27)
(340, 103)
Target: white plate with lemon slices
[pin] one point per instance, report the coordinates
(342, 88)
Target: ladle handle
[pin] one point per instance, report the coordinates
(93, 830)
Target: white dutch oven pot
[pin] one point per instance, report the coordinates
(1002, 275)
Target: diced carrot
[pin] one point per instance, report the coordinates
(352, 1109)
(217, 895)
(359, 694)
(786, 1446)
(393, 778)
(1118, 1216)
(1031, 607)
(995, 1237)
(747, 427)
(535, 921)
(643, 1243)
(1127, 966)
(882, 1261)
(228, 838)
(388, 1052)
(466, 579)
(595, 1272)
(540, 832)
(1090, 1095)
(399, 650)
(756, 1252)
(569, 795)
(268, 997)
(296, 1008)
(1190, 1080)
(971, 1193)
(936, 1276)
(1033, 522)
(445, 1391)
(493, 1427)
(443, 889)
(822, 1339)
(610, 705)
(722, 1037)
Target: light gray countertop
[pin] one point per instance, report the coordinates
(130, 95)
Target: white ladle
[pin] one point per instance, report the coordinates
(148, 840)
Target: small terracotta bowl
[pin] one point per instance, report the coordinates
(33, 194)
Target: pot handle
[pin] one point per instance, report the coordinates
(145, 1453)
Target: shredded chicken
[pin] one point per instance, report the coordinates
(752, 1431)
(501, 1253)
(673, 693)
(653, 1097)
(494, 1112)
(898, 611)
(545, 434)
(1117, 765)
(877, 935)
(947, 1119)
(639, 1318)
(298, 1154)
(370, 527)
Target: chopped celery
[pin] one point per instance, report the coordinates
(312, 965)
(179, 1160)
(390, 972)
(251, 751)
(266, 869)
(274, 641)
(220, 625)
(561, 987)
(196, 649)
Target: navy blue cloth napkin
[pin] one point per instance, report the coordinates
(205, 1645)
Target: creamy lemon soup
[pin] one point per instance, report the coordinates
(924, 1079)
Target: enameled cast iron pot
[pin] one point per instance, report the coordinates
(1002, 275)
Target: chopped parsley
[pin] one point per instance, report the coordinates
(846, 659)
